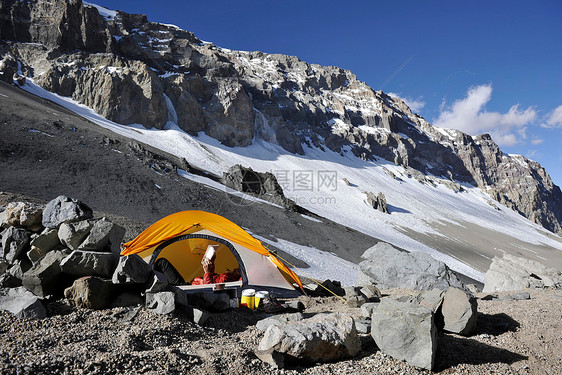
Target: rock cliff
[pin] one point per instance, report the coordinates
(131, 70)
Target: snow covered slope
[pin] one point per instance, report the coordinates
(463, 229)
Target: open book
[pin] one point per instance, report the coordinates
(211, 251)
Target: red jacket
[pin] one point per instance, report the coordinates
(213, 278)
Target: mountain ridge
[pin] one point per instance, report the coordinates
(128, 69)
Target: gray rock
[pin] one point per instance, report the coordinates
(371, 292)
(272, 357)
(473, 289)
(23, 215)
(322, 338)
(157, 283)
(392, 268)
(368, 308)
(230, 114)
(432, 299)
(19, 268)
(42, 244)
(363, 325)
(44, 278)
(512, 273)
(356, 301)
(89, 263)
(278, 319)
(73, 234)
(104, 234)
(63, 210)
(405, 331)
(21, 303)
(263, 185)
(131, 269)
(8, 67)
(459, 312)
(14, 244)
(3, 266)
(91, 292)
(35, 253)
(378, 202)
(161, 302)
(19, 79)
(351, 291)
(196, 315)
(7, 280)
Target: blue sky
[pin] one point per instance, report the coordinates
(477, 66)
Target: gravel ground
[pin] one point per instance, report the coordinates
(513, 337)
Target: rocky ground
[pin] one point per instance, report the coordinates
(513, 337)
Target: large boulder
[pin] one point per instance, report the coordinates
(44, 278)
(89, 263)
(24, 215)
(91, 292)
(131, 269)
(322, 338)
(405, 331)
(104, 235)
(459, 312)
(392, 268)
(64, 209)
(14, 244)
(21, 303)
(73, 234)
(262, 185)
(512, 273)
(378, 202)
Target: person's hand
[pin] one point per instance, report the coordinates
(208, 266)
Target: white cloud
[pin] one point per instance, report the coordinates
(555, 118)
(531, 154)
(415, 104)
(537, 141)
(470, 116)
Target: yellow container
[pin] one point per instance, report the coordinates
(248, 297)
(258, 298)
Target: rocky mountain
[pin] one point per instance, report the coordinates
(131, 70)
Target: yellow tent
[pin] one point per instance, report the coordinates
(183, 237)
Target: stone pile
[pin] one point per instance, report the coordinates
(60, 250)
(406, 327)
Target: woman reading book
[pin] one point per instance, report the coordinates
(210, 277)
